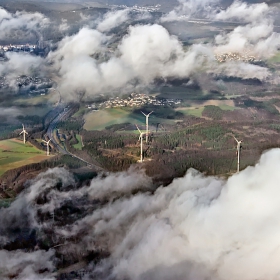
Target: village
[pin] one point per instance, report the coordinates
(17, 48)
(235, 57)
(138, 8)
(134, 100)
(34, 85)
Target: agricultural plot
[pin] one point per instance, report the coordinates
(99, 120)
(197, 110)
(275, 58)
(52, 97)
(14, 154)
(79, 145)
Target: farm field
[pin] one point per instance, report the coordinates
(79, 145)
(52, 97)
(196, 109)
(275, 58)
(14, 154)
(98, 120)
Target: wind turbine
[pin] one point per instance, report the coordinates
(24, 132)
(147, 124)
(48, 146)
(238, 148)
(141, 143)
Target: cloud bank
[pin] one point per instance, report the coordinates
(20, 21)
(86, 64)
(196, 228)
(242, 11)
(257, 36)
(191, 9)
(113, 19)
(139, 59)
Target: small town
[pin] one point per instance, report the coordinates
(139, 8)
(134, 100)
(17, 48)
(235, 57)
(27, 80)
(37, 85)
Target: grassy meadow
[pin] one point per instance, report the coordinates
(79, 145)
(14, 154)
(275, 58)
(98, 120)
(197, 109)
(49, 98)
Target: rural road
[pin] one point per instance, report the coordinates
(61, 116)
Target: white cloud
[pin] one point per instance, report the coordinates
(113, 19)
(26, 265)
(242, 11)
(20, 63)
(241, 70)
(20, 21)
(140, 58)
(191, 8)
(196, 228)
(63, 26)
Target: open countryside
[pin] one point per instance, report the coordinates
(99, 120)
(14, 154)
(197, 109)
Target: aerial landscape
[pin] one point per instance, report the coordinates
(139, 139)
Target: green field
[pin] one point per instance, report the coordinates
(81, 112)
(197, 111)
(98, 120)
(50, 98)
(14, 154)
(79, 145)
(275, 58)
(227, 107)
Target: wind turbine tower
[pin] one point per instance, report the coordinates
(23, 132)
(238, 149)
(141, 143)
(147, 124)
(48, 146)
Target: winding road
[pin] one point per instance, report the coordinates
(63, 114)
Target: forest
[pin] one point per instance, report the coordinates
(205, 143)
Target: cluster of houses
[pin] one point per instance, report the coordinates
(27, 80)
(137, 8)
(34, 85)
(235, 57)
(3, 82)
(18, 48)
(134, 100)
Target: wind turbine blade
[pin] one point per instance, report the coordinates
(21, 133)
(138, 129)
(235, 139)
(144, 114)
(150, 113)
(26, 132)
